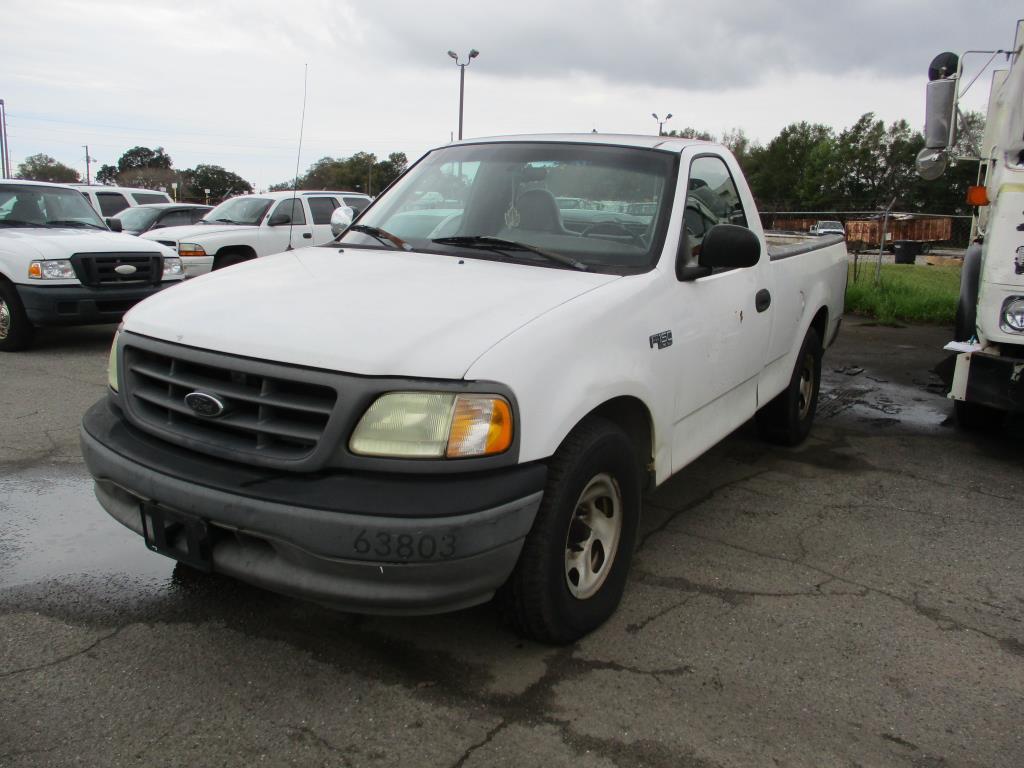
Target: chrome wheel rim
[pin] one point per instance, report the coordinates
(5, 319)
(806, 391)
(593, 536)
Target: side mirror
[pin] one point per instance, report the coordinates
(279, 219)
(341, 219)
(725, 246)
(939, 111)
(114, 225)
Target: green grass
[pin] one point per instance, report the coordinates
(907, 293)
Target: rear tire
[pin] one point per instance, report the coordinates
(16, 330)
(787, 419)
(572, 571)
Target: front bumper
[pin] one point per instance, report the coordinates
(81, 305)
(196, 265)
(993, 380)
(365, 542)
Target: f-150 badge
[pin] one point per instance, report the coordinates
(661, 340)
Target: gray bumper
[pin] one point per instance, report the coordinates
(433, 563)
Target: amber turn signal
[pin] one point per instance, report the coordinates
(977, 196)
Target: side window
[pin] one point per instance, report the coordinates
(175, 219)
(321, 208)
(198, 213)
(111, 203)
(291, 207)
(145, 198)
(711, 198)
(357, 204)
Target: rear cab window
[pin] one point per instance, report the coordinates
(111, 202)
(145, 198)
(321, 209)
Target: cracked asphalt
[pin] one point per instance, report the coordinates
(857, 601)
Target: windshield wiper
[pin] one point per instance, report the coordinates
(73, 223)
(226, 221)
(383, 235)
(499, 245)
(16, 223)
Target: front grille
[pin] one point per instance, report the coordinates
(274, 416)
(101, 269)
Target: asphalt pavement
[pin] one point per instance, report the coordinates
(856, 601)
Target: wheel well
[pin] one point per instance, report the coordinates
(230, 250)
(633, 418)
(820, 324)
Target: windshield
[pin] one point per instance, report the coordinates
(239, 210)
(604, 207)
(137, 219)
(829, 225)
(32, 206)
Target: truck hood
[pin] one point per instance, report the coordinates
(44, 243)
(194, 232)
(368, 312)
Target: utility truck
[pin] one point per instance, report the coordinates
(444, 403)
(988, 378)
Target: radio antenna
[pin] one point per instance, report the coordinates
(298, 155)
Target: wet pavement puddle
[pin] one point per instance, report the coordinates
(52, 528)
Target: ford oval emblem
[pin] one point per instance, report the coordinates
(204, 405)
(125, 269)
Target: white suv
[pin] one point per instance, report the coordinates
(107, 200)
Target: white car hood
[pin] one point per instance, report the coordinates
(44, 243)
(360, 311)
(193, 232)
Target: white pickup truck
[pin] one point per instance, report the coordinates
(451, 401)
(60, 265)
(248, 226)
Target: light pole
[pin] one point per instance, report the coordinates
(462, 80)
(661, 122)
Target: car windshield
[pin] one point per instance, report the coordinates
(137, 219)
(239, 210)
(602, 207)
(829, 225)
(24, 205)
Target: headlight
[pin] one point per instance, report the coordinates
(191, 249)
(1012, 318)
(112, 361)
(172, 266)
(53, 269)
(432, 425)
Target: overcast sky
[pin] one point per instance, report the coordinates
(220, 81)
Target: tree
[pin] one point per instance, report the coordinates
(778, 172)
(143, 157)
(362, 172)
(107, 174)
(692, 133)
(222, 183)
(42, 167)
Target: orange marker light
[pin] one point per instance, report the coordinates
(35, 270)
(481, 426)
(977, 196)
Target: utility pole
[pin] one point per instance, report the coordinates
(87, 161)
(5, 149)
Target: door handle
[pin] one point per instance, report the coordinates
(307, 236)
(762, 300)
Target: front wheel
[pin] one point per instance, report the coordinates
(16, 331)
(572, 571)
(787, 419)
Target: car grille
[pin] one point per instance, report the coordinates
(269, 413)
(100, 269)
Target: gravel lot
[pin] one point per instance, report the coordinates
(853, 602)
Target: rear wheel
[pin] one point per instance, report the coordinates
(16, 331)
(572, 571)
(787, 419)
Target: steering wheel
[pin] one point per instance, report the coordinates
(614, 230)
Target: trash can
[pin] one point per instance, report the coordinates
(904, 252)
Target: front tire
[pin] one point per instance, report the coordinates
(16, 331)
(572, 571)
(787, 419)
